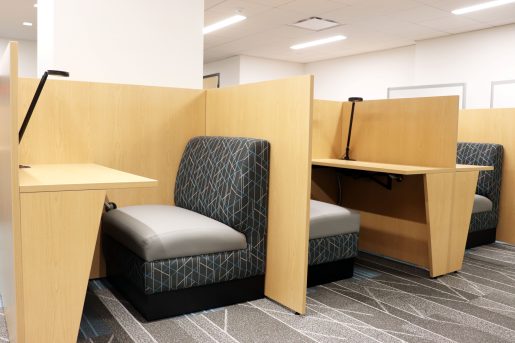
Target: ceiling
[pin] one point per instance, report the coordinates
(12, 14)
(369, 25)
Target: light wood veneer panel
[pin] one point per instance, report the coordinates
(496, 126)
(416, 131)
(449, 201)
(59, 232)
(280, 112)
(327, 129)
(10, 261)
(138, 129)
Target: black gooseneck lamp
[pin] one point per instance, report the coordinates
(354, 100)
(36, 98)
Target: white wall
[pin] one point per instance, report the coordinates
(228, 68)
(247, 69)
(255, 69)
(474, 58)
(367, 75)
(123, 41)
(27, 56)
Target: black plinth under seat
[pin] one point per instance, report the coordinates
(477, 238)
(168, 304)
(330, 272)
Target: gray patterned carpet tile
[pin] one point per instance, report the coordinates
(385, 301)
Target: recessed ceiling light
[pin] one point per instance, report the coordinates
(36, 5)
(223, 23)
(26, 23)
(483, 6)
(318, 42)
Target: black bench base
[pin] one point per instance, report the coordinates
(330, 272)
(173, 303)
(477, 238)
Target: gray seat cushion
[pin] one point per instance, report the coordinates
(157, 232)
(481, 204)
(330, 220)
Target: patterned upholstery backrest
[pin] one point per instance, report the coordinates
(226, 178)
(489, 183)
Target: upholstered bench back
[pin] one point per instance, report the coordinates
(226, 179)
(489, 183)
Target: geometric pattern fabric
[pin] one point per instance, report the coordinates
(223, 178)
(333, 248)
(489, 182)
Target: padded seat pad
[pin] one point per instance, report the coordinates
(158, 232)
(330, 220)
(481, 204)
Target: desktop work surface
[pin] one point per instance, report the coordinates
(61, 206)
(416, 214)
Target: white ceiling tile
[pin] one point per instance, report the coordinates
(271, 3)
(312, 8)
(453, 24)
(230, 7)
(211, 3)
(449, 5)
(13, 14)
(420, 13)
(503, 13)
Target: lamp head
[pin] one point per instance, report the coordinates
(58, 73)
(355, 99)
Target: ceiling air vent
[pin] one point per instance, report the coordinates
(315, 24)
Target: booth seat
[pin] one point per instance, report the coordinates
(333, 242)
(485, 212)
(206, 251)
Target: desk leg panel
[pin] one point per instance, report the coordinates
(465, 184)
(59, 232)
(449, 200)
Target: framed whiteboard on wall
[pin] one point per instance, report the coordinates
(459, 89)
(502, 94)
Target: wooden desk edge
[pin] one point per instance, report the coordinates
(88, 186)
(390, 168)
(384, 167)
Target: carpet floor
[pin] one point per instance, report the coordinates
(385, 301)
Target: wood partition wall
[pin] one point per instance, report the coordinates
(496, 126)
(143, 130)
(417, 131)
(138, 129)
(10, 233)
(280, 112)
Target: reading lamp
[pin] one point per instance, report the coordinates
(354, 100)
(36, 98)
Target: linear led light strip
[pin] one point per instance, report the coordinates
(482, 6)
(318, 42)
(223, 23)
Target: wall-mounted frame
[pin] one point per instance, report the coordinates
(502, 94)
(212, 81)
(444, 89)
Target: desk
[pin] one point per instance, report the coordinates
(61, 206)
(422, 220)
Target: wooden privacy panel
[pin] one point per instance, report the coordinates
(280, 112)
(327, 129)
(496, 126)
(417, 131)
(138, 129)
(10, 240)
